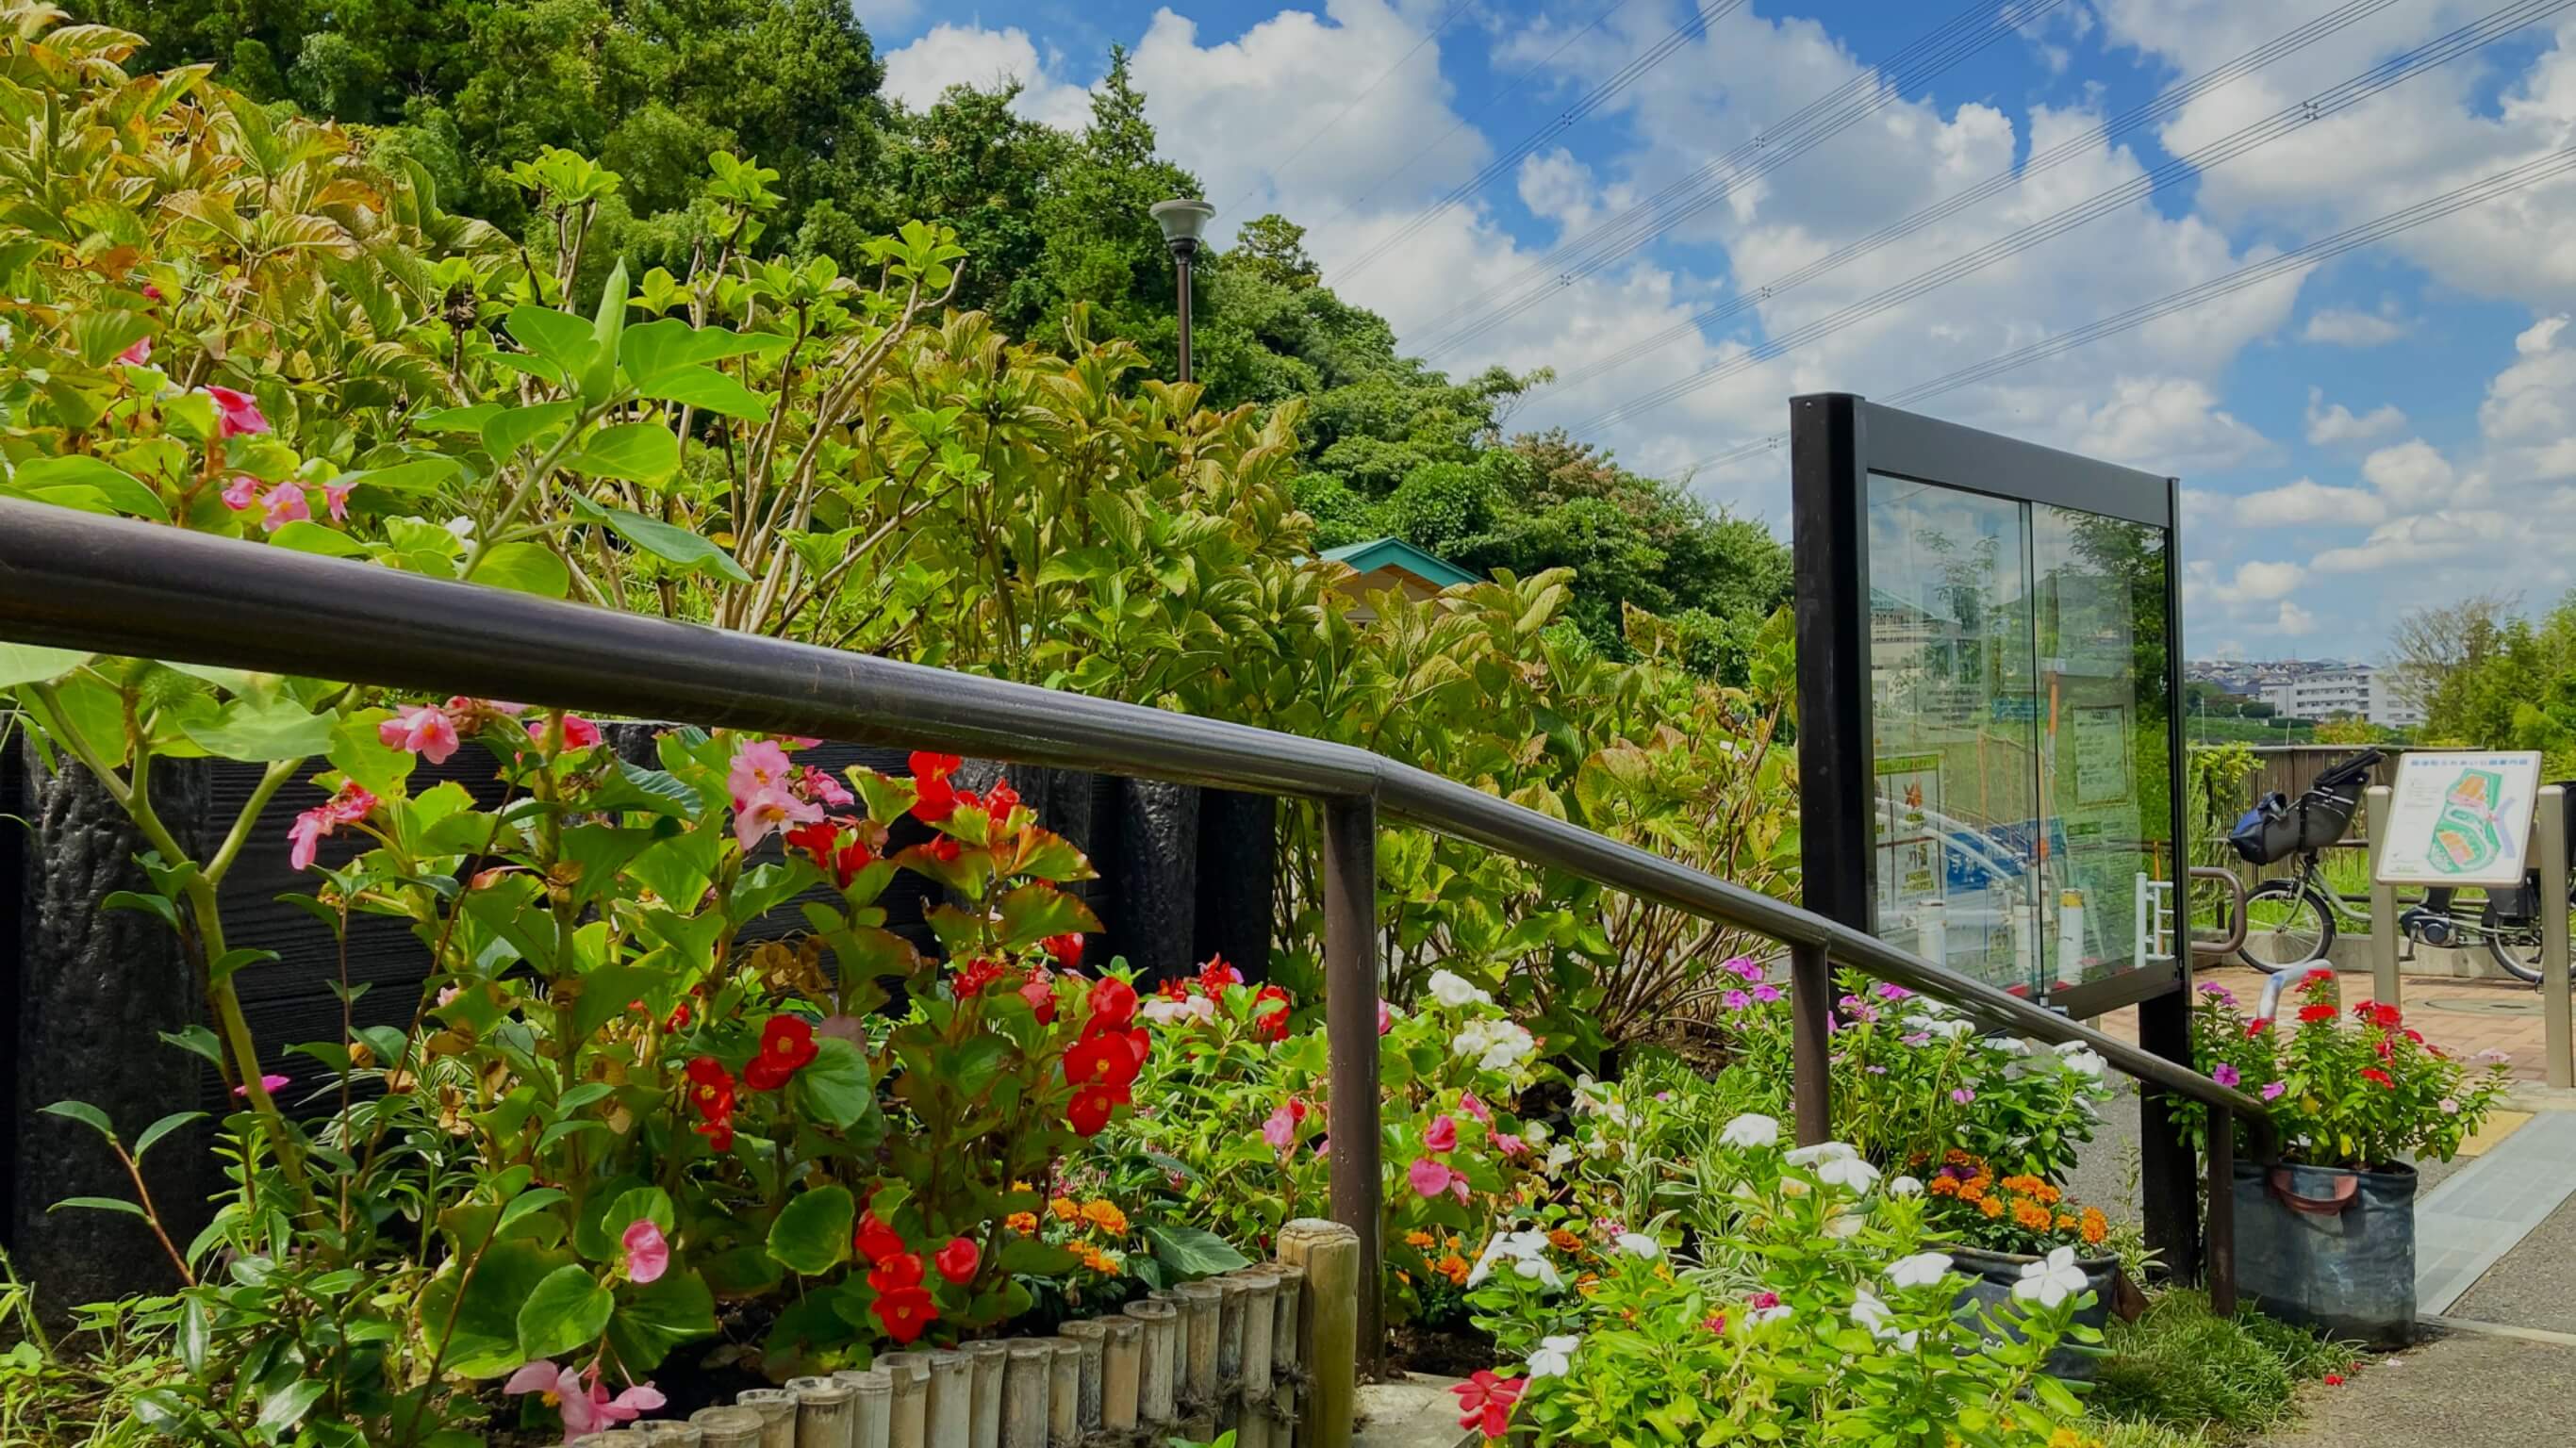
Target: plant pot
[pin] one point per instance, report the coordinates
(2330, 1247)
(1991, 1278)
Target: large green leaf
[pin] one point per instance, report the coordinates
(657, 349)
(708, 390)
(655, 1318)
(813, 1234)
(834, 1087)
(663, 540)
(599, 378)
(267, 729)
(39, 477)
(640, 452)
(357, 751)
(485, 1343)
(1193, 1251)
(306, 536)
(568, 1310)
(513, 428)
(527, 567)
(559, 337)
(31, 664)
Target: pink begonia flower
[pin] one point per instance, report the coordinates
(1281, 1129)
(423, 729)
(579, 733)
(822, 788)
(1962, 1095)
(1163, 1011)
(336, 497)
(647, 1255)
(241, 492)
(584, 1409)
(1443, 1135)
(769, 809)
(1509, 1145)
(1430, 1178)
(286, 504)
(798, 741)
(138, 355)
(1469, 1103)
(272, 1084)
(1385, 1018)
(352, 804)
(757, 766)
(236, 412)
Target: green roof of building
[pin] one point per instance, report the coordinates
(1395, 553)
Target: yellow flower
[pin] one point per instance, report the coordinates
(1104, 1214)
(1022, 1187)
(1065, 1210)
(1024, 1223)
(2064, 1437)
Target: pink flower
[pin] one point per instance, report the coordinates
(579, 733)
(423, 729)
(2275, 1090)
(236, 412)
(1443, 1135)
(272, 1084)
(822, 788)
(1735, 1000)
(138, 355)
(757, 766)
(1485, 1402)
(1431, 1178)
(1475, 1107)
(1767, 993)
(1962, 1095)
(1715, 1322)
(2224, 1074)
(647, 1255)
(352, 804)
(585, 1409)
(241, 492)
(336, 497)
(1385, 1018)
(286, 504)
(1281, 1129)
(768, 809)
(1508, 1144)
(1763, 1301)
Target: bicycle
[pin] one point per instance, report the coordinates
(2291, 921)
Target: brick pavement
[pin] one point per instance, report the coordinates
(2463, 1017)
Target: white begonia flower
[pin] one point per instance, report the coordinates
(1536, 1133)
(1558, 1156)
(1850, 1172)
(1822, 1151)
(1555, 1356)
(1494, 1045)
(1905, 1186)
(2051, 1280)
(1638, 1244)
(1920, 1270)
(1454, 990)
(1751, 1129)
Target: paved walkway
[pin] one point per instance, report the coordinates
(2463, 1017)
(2457, 1388)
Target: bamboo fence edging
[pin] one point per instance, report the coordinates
(1243, 1351)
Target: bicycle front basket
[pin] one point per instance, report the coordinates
(2324, 815)
(2267, 832)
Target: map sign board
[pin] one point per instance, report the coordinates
(2460, 819)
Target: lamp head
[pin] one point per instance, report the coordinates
(1183, 220)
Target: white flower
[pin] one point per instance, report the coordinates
(1849, 1172)
(1538, 1269)
(1495, 1045)
(462, 527)
(1769, 1314)
(2051, 1280)
(1821, 1151)
(1536, 1133)
(1751, 1129)
(1558, 1156)
(1453, 990)
(1920, 1270)
(1843, 1223)
(2082, 1061)
(1638, 1244)
(1597, 1146)
(2450, 1107)
(1514, 1247)
(1794, 1186)
(1165, 1012)
(1867, 1310)
(1555, 1356)
(1905, 1186)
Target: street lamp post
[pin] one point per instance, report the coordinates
(1183, 219)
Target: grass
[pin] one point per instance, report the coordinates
(2182, 1377)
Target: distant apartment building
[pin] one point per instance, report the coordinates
(2356, 691)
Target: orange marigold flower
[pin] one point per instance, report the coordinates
(1065, 1210)
(1453, 1267)
(1564, 1241)
(1990, 1207)
(1974, 1191)
(2065, 1220)
(1104, 1214)
(2031, 1215)
(2096, 1226)
(1417, 1238)
(1944, 1186)
(1024, 1223)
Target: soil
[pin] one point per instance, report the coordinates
(1443, 1352)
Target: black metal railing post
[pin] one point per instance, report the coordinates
(1811, 1025)
(1350, 1030)
(2219, 1248)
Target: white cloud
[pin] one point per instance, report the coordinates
(2412, 475)
(2308, 501)
(2166, 423)
(2423, 538)
(2259, 581)
(951, 55)
(2293, 620)
(1555, 185)
(2328, 426)
(2344, 327)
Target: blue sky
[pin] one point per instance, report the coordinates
(2388, 428)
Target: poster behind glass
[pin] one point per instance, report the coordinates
(2019, 733)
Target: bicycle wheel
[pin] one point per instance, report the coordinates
(2286, 927)
(2515, 948)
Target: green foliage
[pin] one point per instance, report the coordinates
(2181, 1367)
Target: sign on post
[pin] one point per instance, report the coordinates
(2459, 818)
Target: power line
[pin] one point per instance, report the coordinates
(2172, 101)
(1703, 15)
(2477, 193)
(1822, 118)
(1507, 92)
(1456, 9)
(2292, 117)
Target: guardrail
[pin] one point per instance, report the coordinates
(76, 580)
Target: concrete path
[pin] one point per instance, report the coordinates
(2458, 1388)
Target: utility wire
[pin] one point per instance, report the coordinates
(2163, 106)
(1828, 115)
(2290, 118)
(1703, 15)
(2531, 173)
(1507, 92)
(1456, 9)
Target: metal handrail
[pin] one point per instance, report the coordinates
(2236, 914)
(77, 580)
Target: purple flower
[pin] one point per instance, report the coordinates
(1766, 993)
(1743, 967)
(2224, 1074)
(1875, 1070)
(1962, 1095)
(1736, 1000)
(2272, 1090)
(1890, 991)
(2218, 993)
(1916, 1038)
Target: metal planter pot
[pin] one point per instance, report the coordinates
(2329, 1247)
(1991, 1278)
